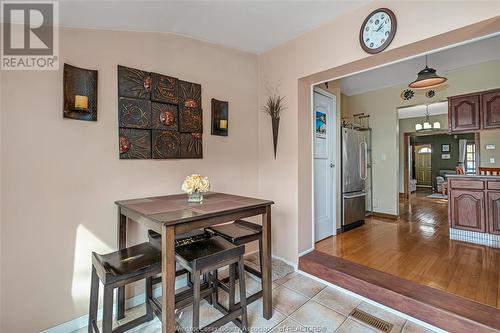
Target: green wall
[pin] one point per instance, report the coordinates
(436, 141)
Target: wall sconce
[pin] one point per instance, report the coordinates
(220, 110)
(80, 93)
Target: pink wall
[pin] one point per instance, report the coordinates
(61, 177)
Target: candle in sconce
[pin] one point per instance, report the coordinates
(81, 102)
(223, 123)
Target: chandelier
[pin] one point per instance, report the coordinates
(427, 125)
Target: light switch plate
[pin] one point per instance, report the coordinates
(492, 160)
(490, 146)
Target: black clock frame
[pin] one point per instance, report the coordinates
(394, 26)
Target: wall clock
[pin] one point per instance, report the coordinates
(378, 30)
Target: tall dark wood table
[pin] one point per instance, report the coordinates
(172, 214)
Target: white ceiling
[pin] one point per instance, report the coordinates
(406, 71)
(419, 110)
(252, 26)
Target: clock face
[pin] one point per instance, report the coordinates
(377, 31)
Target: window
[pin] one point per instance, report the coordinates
(425, 150)
(470, 159)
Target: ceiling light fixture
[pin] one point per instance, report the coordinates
(427, 78)
(427, 126)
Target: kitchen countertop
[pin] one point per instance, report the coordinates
(473, 176)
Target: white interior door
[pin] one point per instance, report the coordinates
(324, 164)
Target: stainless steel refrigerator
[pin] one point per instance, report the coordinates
(354, 175)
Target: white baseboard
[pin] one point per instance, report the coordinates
(367, 300)
(306, 252)
(132, 302)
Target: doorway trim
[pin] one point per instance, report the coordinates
(315, 88)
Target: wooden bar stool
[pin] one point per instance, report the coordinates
(241, 232)
(118, 269)
(205, 256)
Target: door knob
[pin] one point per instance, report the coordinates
(332, 165)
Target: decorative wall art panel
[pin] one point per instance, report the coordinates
(80, 93)
(164, 89)
(190, 120)
(220, 110)
(134, 113)
(189, 94)
(165, 116)
(165, 144)
(191, 145)
(134, 83)
(160, 117)
(135, 143)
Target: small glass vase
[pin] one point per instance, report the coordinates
(195, 197)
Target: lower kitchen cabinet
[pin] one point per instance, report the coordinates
(467, 210)
(493, 212)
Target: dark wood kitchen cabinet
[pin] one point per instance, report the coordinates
(464, 113)
(472, 112)
(493, 212)
(467, 210)
(490, 108)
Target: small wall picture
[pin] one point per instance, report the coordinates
(320, 125)
(446, 156)
(490, 146)
(445, 148)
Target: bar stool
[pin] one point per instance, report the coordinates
(118, 269)
(191, 236)
(205, 256)
(241, 232)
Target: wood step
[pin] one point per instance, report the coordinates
(436, 307)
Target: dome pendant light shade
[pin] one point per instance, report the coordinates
(427, 78)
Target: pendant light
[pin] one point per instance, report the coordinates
(427, 126)
(427, 78)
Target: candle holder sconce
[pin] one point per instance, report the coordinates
(220, 110)
(80, 93)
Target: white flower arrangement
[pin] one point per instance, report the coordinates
(195, 183)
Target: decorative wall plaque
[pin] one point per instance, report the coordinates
(190, 120)
(165, 116)
(164, 89)
(134, 83)
(160, 116)
(80, 93)
(165, 144)
(220, 110)
(189, 94)
(134, 113)
(135, 143)
(191, 145)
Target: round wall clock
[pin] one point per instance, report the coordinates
(378, 30)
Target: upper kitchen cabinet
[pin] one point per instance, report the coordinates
(464, 112)
(490, 106)
(475, 111)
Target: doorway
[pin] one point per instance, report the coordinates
(324, 111)
(423, 165)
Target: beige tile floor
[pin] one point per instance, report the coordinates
(300, 304)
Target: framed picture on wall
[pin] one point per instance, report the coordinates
(445, 156)
(445, 147)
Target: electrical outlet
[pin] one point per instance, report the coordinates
(492, 160)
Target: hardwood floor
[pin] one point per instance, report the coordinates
(417, 247)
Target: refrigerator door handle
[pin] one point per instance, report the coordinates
(363, 169)
(352, 196)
